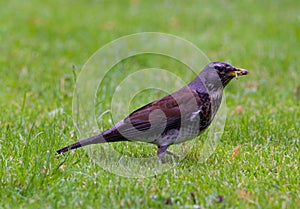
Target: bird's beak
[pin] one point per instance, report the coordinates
(239, 72)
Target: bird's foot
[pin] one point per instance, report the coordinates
(162, 151)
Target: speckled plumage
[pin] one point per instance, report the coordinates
(175, 118)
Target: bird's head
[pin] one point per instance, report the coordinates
(216, 75)
(225, 71)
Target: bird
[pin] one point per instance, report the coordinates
(180, 116)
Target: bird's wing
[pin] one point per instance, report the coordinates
(164, 114)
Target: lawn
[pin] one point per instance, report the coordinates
(45, 44)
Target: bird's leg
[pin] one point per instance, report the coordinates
(162, 150)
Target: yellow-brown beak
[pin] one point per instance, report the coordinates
(239, 72)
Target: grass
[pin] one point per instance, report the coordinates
(45, 44)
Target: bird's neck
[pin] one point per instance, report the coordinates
(206, 85)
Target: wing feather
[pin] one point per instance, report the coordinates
(162, 115)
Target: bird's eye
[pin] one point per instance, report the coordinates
(227, 69)
(219, 68)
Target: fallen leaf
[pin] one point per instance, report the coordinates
(235, 151)
(44, 171)
(110, 25)
(128, 203)
(239, 109)
(122, 203)
(243, 194)
(62, 167)
(173, 22)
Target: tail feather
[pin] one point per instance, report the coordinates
(67, 148)
(91, 140)
(111, 135)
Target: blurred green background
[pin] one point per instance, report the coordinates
(44, 44)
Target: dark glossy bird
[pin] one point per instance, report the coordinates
(175, 118)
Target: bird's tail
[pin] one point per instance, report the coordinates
(111, 135)
(91, 140)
